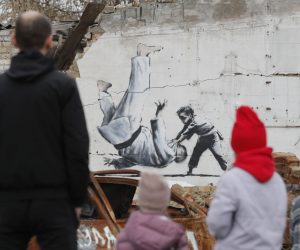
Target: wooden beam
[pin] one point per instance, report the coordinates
(66, 54)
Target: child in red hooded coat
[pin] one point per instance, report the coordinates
(250, 203)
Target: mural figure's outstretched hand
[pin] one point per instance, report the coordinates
(118, 163)
(108, 161)
(160, 106)
(145, 50)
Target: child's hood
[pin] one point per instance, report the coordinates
(151, 231)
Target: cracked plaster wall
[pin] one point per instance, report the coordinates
(252, 59)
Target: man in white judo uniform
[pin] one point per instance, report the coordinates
(122, 127)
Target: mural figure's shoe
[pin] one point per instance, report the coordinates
(144, 50)
(103, 85)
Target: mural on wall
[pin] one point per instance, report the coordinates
(139, 145)
(211, 67)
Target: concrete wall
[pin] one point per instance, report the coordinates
(218, 54)
(6, 49)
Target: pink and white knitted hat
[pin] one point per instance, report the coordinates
(154, 193)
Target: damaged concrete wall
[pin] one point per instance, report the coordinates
(218, 54)
(6, 49)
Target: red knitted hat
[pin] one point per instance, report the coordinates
(249, 141)
(248, 131)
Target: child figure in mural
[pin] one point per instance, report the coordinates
(121, 126)
(209, 137)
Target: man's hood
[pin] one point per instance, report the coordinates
(29, 65)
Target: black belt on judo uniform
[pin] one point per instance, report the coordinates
(130, 141)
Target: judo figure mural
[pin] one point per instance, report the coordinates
(140, 145)
(121, 126)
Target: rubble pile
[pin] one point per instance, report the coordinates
(288, 166)
(196, 210)
(202, 195)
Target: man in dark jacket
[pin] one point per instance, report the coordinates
(43, 145)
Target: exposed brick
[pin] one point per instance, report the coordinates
(6, 44)
(5, 39)
(288, 166)
(4, 62)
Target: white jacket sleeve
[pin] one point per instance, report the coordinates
(222, 210)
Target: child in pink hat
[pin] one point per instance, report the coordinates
(150, 228)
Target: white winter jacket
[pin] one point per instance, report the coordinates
(246, 214)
